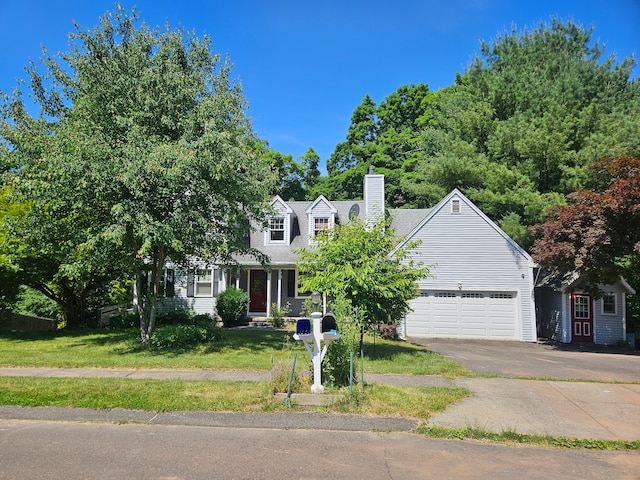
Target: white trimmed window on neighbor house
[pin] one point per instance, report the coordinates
(609, 305)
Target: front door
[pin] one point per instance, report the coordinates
(258, 291)
(581, 318)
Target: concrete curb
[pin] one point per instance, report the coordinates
(286, 421)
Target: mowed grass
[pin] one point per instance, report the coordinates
(242, 349)
(181, 395)
(109, 393)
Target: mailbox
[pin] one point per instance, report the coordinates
(324, 329)
(303, 326)
(329, 323)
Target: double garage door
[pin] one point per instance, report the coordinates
(490, 315)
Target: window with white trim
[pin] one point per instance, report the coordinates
(609, 305)
(455, 205)
(320, 224)
(204, 282)
(276, 229)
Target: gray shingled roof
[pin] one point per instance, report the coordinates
(403, 223)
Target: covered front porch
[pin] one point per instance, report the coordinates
(277, 287)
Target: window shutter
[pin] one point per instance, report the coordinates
(191, 284)
(291, 283)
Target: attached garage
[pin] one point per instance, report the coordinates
(490, 315)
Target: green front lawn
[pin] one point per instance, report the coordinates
(239, 349)
(182, 395)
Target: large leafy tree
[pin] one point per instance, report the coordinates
(49, 235)
(353, 261)
(596, 235)
(152, 131)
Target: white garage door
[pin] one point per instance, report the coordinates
(463, 315)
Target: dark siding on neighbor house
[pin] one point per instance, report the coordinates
(549, 314)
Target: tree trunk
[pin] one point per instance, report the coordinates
(148, 320)
(141, 306)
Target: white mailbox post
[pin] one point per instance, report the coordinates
(315, 335)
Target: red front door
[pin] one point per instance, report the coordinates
(581, 318)
(258, 291)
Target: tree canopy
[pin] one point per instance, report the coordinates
(354, 261)
(515, 132)
(142, 152)
(597, 235)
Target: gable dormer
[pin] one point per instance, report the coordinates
(279, 229)
(321, 215)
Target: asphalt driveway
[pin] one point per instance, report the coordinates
(539, 360)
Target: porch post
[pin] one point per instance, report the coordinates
(268, 294)
(222, 286)
(279, 300)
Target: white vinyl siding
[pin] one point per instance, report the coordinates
(467, 253)
(373, 197)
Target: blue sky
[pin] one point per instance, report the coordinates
(304, 65)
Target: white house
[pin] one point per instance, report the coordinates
(481, 283)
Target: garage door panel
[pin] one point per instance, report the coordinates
(463, 315)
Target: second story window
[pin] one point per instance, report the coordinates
(276, 229)
(320, 224)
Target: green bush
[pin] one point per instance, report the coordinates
(336, 363)
(127, 320)
(278, 315)
(203, 320)
(32, 302)
(182, 336)
(174, 317)
(232, 306)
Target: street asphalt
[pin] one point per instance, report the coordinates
(560, 408)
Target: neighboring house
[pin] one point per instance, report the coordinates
(481, 283)
(567, 313)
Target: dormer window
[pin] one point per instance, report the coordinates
(276, 229)
(321, 216)
(319, 225)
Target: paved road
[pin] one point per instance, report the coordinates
(55, 450)
(51, 443)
